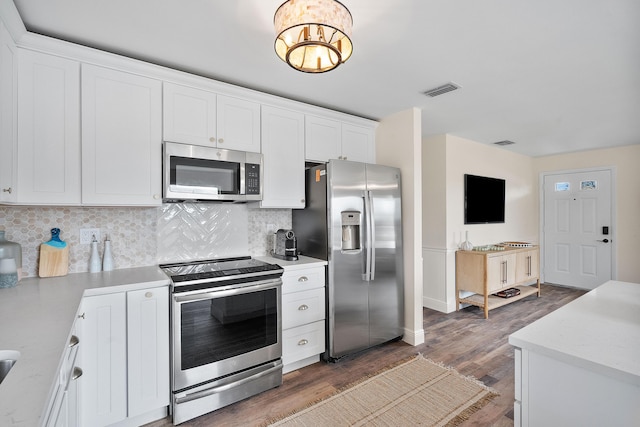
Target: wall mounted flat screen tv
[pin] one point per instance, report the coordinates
(483, 200)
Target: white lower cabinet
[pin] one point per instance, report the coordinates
(125, 357)
(62, 410)
(303, 316)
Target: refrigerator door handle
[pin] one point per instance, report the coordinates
(368, 243)
(372, 237)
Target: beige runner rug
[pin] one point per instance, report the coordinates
(417, 392)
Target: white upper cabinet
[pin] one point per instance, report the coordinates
(48, 162)
(200, 117)
(8, 100)
(332, 139)
(283, 152)
(121, 138)
(238, 124)
(358, 143)
(323, 139)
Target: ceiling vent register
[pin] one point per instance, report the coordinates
(441, 90)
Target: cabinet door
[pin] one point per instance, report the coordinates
(103, 385)
(501, 272)
(148, 349)
(238, 124)
(48, 129)
(322, 139)
(8, 100)
(121, 138)
(528, 266)
(358, 143)
(283, 152)
(189, 115)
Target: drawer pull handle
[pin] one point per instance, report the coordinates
(74, 341)
(303, 342)
(81, 316)
(303, 279)
(77, 373)
(148, 294)
(6, 190)
(303, 307)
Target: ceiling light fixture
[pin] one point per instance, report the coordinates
(313, 36)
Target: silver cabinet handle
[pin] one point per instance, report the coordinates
(81, 316)
(212, 139)
(303, 342)
(73, 341)
(303, 279)
(77, 373)
(220, 140)
(6, 190)
(303, 307)
(148, 294)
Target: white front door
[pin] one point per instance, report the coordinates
(577, 228)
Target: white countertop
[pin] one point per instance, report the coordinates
(36, 318)
(599, 331)
(302, 262)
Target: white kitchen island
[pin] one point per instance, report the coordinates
(580, 365)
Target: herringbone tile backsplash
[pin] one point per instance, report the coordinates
(145, 236)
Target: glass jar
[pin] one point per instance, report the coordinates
(10, 262)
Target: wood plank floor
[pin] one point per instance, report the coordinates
(463, 340)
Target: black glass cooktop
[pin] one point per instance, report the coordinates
(217, 268)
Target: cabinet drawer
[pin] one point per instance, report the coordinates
(302, 280)
(302, 342)
(299, 308)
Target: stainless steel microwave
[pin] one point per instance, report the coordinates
(192, 172)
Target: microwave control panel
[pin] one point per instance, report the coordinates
(252, 178)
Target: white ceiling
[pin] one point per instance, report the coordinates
(552, 75)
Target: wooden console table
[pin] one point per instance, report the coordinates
(486, 272)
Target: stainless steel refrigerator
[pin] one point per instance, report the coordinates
(352, 219)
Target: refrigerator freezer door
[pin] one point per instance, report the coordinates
(347, 290)
(386, 289)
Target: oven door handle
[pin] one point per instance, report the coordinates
(225, 387)
(201, 296)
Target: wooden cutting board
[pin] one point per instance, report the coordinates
(53, 261)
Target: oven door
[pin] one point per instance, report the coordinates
(220, 331)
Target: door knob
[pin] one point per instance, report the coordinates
(604, 241)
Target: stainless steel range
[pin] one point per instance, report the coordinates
(226, 333)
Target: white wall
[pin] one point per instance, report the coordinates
(398, 144)
(626, 161)
(445, 161)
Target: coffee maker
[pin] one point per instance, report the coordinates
(286, 245)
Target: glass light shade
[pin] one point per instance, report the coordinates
(313, 36)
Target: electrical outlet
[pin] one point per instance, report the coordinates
(86, 235)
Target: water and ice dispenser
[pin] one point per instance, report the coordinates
(351, 230)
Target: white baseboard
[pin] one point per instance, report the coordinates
(413, 337)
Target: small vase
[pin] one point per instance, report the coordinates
(466, 245)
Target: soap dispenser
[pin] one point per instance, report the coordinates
(107, 256)
(94, 257)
